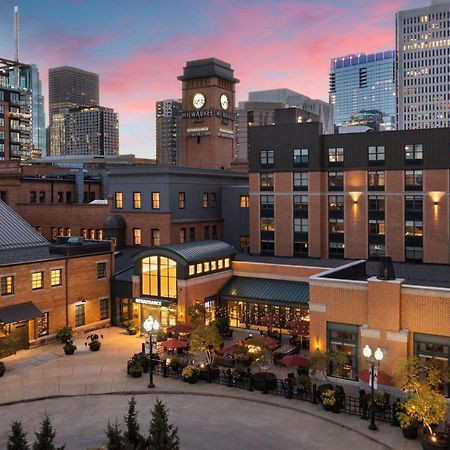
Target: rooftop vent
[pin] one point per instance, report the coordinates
(75, 240)
(386, 269)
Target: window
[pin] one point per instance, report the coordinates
(84, 233)
(300, 181)
(137, 235)
(335, 226)
(136, 200)
(55, 277)
(7, 285)
(4, 196)
(376, 202)
(206, 266)
(99, 234)
(54, 233)
(39, 229)
(413, 152)
(376, 227)
(79, 315)
(68, 197)
(335, 155)
(301, 202)
(266, 157)
(244, 242)
(156, 237)
(213, 200)
(181, 200)
(413, 179)
(33, 197)
(37, 280)
(336, 249)
(413, 228)
(413, 203)
(376, 179)
(244, 201)
(155, 200)
(214, 264)
(377, 250)
(343, 339)
(199, 268)
(226, 263)
(60, 231)
(68, 232)
(335, 181)
(101, 270)
(206, 232)
(42, 328)
(414, 253)
(376, 153)
(182, 235)
(300, 156)
(192, 269)
(266, 181)
(159, 277)
(214, 232)
(267, 224)
(104, 308)
(91, 234)
(266, 201)
(220, 264)
(300, 225)
(205, 199)
(118, 200)
(336, 202)
(60, 197)
(191, 234)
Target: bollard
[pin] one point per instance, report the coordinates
(229, 378)
(314, 393)
(164, 368)
(250, 384)
(208, 378)
(289, 389)
(265, 390)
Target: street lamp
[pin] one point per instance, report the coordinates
(374, 361)
(150, 326)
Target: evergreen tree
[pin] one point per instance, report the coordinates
(17, 439)
(162, 435)
(132, 437)
(115, 438)
(44, 438)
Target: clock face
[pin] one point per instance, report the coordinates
(199, 100)
(224, 101)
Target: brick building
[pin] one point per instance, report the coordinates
(355, 196)
(47, 286)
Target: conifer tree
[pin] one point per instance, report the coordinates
(162, 435)
(44, 438)
(132, 437)
(114, 436)
(17, 439)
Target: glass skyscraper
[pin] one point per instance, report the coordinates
(363, 83)
(38, 113)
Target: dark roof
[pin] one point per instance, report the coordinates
(26, 255)
(309, 262)
(124, 257)
(209, 67)
(114, 223)
(15, 313)
(125, 275)
(198, 251)
(15, 233)
(290, 293)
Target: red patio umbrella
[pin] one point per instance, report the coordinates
(295, 323)
(175, 343)
(383, 377)
(301, 329)
(231, 349)
(271, 343)
(294, 360)
(180, 328)
(270, 319)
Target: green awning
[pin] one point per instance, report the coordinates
(261, 290)
(17, 313)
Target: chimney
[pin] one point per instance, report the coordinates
(386, 269)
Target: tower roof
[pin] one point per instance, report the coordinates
(209, 67)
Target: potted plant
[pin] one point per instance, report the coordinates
(136, 371)
(190, 374)
(131, 327)
(303, 383)
(69, 347)
(65, 334)
(94, 342)
(328, 400)
(408, 424)
(222, 324)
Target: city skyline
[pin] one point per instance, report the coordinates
(139, 52)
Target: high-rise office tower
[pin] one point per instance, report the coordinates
(37, 112)
(363, 83)
(168, 132)
(423, 66)
(91, 130)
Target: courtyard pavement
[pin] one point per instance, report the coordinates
(83, 391)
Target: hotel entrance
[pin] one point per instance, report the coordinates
(164, 312)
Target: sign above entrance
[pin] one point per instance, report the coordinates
(152, 302)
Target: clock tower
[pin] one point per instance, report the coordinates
(208, 123)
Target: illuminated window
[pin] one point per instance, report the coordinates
(39, 229)
(244, 201)
(192, 269)
(159, 277)
(335, 226)
(376, 227)
(227, 262)
(84, 233)
(118, 200)
(266, 181)
(55, 277)
(413, 179)
(267, 224)
(413, 228)
(136, 236)
(182, 235)
(104, 308)
(37, 280)
(206, 266)
(156, 237)
(413, 151)
(335, 155)
(100, 234)
(91, 234)
(155, 200)
(42, 325)
(220, 264)
(336, 202)
(376, 179)
(199, 268)
(7, 285)
(60, 231)
(181, 200)
(244, 242)
(54, 232)
(335, 181)
(136, 200)
(68, 232)
(205, 199)
(213, 265)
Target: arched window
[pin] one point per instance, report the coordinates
(159, 277)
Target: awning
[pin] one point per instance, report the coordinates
(262, 290)
(16, 313)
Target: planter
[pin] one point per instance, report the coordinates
(135, 372)
(191, 380)
(2, 369)
(94, 346)
(435, 441)
(328, 407)
(263, 380)
(410, 433)
(132, 331)
(215, 372)
(69, 349)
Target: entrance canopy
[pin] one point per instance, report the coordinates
(17, 313)
(271, 292)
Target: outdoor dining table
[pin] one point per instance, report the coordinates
(285, 349)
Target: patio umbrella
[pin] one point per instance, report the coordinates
(175, 343)
(270, 319)
(294, 361)
(180, 328)
(383, 377)
(271, 343)
(231, 349)
(296, 323)
(301, 329)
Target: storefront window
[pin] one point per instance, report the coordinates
(343, 339)
(159, 277)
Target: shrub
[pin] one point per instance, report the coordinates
(328, 397)
(65, 334)
(190, 372)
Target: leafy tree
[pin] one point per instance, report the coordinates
(162, 435)
(8, 343)
(132, 436)
(45, 437)
(255, 350)
(206, 338)
(319, 362)
(114, 436)
(197, 314)
(17, 439)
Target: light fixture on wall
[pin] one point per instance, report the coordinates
(317, 344)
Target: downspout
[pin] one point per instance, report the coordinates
(67, 291)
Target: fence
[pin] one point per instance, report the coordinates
(384, 410)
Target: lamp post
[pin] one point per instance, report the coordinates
(150, 326)
(374, 361)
